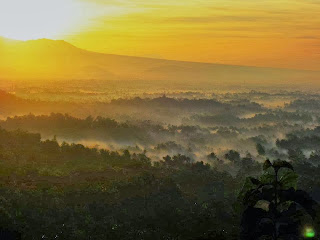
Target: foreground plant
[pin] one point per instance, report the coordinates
(274, 209)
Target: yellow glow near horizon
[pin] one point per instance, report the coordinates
(34, 19)
(273, 33)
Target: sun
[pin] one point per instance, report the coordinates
(33, 19)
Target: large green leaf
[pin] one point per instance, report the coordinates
(248, 186)
(267, 178)
(263, 204)
(288, 180)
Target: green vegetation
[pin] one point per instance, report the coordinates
(73, 192)
(159, 168)
(69, 191)
(274, 208)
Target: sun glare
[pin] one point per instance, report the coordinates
(32, 19)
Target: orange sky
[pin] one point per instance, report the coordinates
(279, 33)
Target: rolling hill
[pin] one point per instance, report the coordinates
(50, 59)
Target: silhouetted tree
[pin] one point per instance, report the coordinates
(233, 156)
(212, 156)
(260, 149)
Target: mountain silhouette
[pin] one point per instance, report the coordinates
(53, 59)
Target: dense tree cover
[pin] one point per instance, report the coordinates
(260, 149)
(160, 139)
(98, 128)
(69, 191)
(268, 117)
(165, 109)
(233, 156)
(186, 185)
(154, 137)
(190, 104)
(196, 122)
(304, 104)
(294, 142)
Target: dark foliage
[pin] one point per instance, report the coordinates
(274, 209)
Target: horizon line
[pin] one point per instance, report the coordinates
(160, 59)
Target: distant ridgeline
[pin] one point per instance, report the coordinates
(48, 59)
